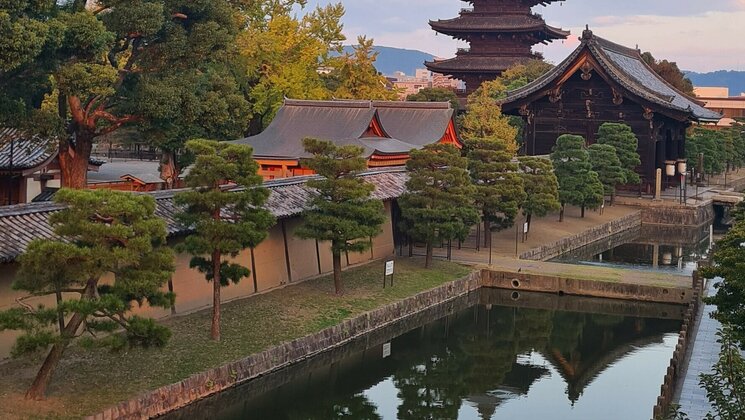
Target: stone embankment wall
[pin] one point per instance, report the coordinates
(567, 286)
(171, 397)
(678, 361)
(675, 215)
(571, 243)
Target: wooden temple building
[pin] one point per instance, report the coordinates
(501, 33)
(386, 131)
(605, 82)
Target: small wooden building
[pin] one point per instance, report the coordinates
(605, 82)
(386, 131)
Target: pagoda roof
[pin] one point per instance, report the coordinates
(531, 2)
(624, 66)
(506, 23)
(467, 63)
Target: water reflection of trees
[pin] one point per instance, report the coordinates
(473, 356)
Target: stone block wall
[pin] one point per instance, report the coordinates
(571, 243)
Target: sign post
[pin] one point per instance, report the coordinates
(388, 272)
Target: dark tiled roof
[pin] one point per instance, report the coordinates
(20, 224)
(409, 125)
(469, 63)
(28, 151)
(507, 23)
(417, 123)
(625, 66)
(45, 195)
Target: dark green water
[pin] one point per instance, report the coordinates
(510, 359)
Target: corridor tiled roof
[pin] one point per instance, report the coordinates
(626, 67)
(28, 151)
(20, 224)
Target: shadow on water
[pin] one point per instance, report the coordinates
(666, 248)
(491, 354)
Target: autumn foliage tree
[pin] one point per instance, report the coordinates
(579, 185)
(355, 76)
(224, 219)
(81, 69)
(669, 71)
(102, 234)
(438, 204)
(342, 211)
(498, 186)
(484, 119)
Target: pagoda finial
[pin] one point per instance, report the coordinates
(587, 33)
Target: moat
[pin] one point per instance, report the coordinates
(522, 356)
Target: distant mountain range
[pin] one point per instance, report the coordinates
(391, 60)
(734, 80)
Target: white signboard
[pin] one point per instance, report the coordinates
(386, 350)
(389, 268)
(525, 228)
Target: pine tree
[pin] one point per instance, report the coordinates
(541, 187)
(579, 185)
(438, 204)
(435, 95)
(499, 190)
(224, 221)
(626, 144)
(342, 211)
(605, 162)
(101, 234)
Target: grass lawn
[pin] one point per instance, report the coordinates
(89, 380)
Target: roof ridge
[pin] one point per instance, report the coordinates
(334, 103)
(412, 104)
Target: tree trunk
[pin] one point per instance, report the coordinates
(613, 197)
(487, 233)
(338, 286)
(39, 387)
(216, 286)
(169, 171)
(561, 213)
(428, 258)
(73, 160)
(528, 218)
(583, 210)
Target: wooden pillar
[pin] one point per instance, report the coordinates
(253, 271)
(318, 257)
(658, 185)
(287, 252)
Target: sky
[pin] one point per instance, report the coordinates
(700, 35)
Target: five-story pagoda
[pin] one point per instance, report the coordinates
(501, 33)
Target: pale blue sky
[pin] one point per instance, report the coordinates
(701, 35)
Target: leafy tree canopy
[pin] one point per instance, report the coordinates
(438, 204)
(712, 144)
(103, 233)
(578, 183)
(605, 162)
(435, 95)
(342, 212)
(521, 74)
(355, 76)
(626, 144)
(541, 186)
(484, 119)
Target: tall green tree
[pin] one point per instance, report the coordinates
(626, 144)
(438, 204)
(224, 220)
(343, 211)
(484, 119)
(435, 95)
(101, 234)
(355, 76)
(499, 190)
(579, 185)
(605, 162)
(725, 385)
(541, 187)
(521, 74)
(82, 69)
(711, 144)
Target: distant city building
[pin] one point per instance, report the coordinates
(501, 33)
(423, 78)
(719, 100)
